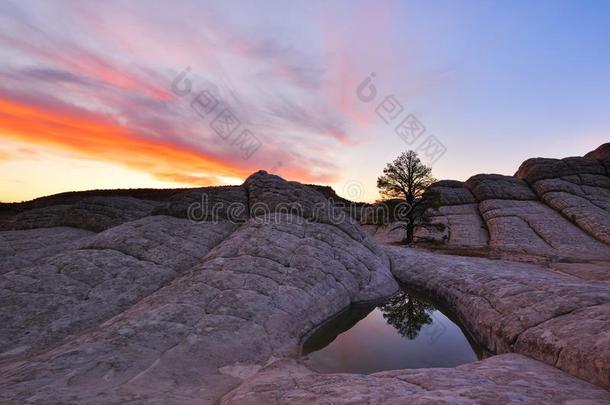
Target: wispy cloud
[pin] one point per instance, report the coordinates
(89, 96)
(94, 80)
(88, 134)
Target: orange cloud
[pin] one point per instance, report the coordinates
(97, 137)
(94, 136)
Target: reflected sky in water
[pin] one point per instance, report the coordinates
(412, 334)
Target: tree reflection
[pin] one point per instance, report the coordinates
(407, 314)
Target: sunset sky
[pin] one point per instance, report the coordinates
(86, 96)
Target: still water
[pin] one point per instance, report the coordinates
(405, 332)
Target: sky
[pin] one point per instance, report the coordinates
(131, 94)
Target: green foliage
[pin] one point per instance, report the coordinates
(430, 200)
(407, 314)
(388, 208)
(408, 178)
(439, 226)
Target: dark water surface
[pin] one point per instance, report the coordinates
(407, 331)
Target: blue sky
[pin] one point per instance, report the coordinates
(86, 98)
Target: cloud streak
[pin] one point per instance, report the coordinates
(97, 137)
(104, 93)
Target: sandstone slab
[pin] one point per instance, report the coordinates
(577, 187)
(591, 271)
(496, 186)
(456, 226)
(521, 307)
(156, 308)
(95, 280)
(536, 169)
(253, 297)
(508, 378)
(532, 228)
(25, 248)
(91, 213)
(602, 154)
(452, 192)
(392, 233)
(456, 222)
(225, 203)
(584, 199)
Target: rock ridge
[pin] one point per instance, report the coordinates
(550, 210)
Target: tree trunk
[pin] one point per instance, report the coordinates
(410, 229)
(410, 199)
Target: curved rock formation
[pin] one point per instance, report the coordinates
(509, 378)
(392, 233)
(578, 188)
(126, 332)
(97, 278)
(92, 213)
(456, 223)
(208, 204)
(498, 187)
(519, 307)
(520, 224)
(602, 154)
(204, 295)
(536, 169)
(552, 209)
(29, 247)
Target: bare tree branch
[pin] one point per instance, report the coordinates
(408, 178)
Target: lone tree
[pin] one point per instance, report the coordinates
(407, 314)
(406, 177)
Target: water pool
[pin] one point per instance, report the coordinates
(407, 331)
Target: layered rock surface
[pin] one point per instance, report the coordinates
(104, 322)
(557, 318)
(204, 295)
(602, 154)
(28, 247)
(92, 213)
(392, 233)
(520, 224)
(552, 209)
(456, 223)
(578, 188)
(208, 204)
(97, 278)
(553, 212)
(508, 378)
